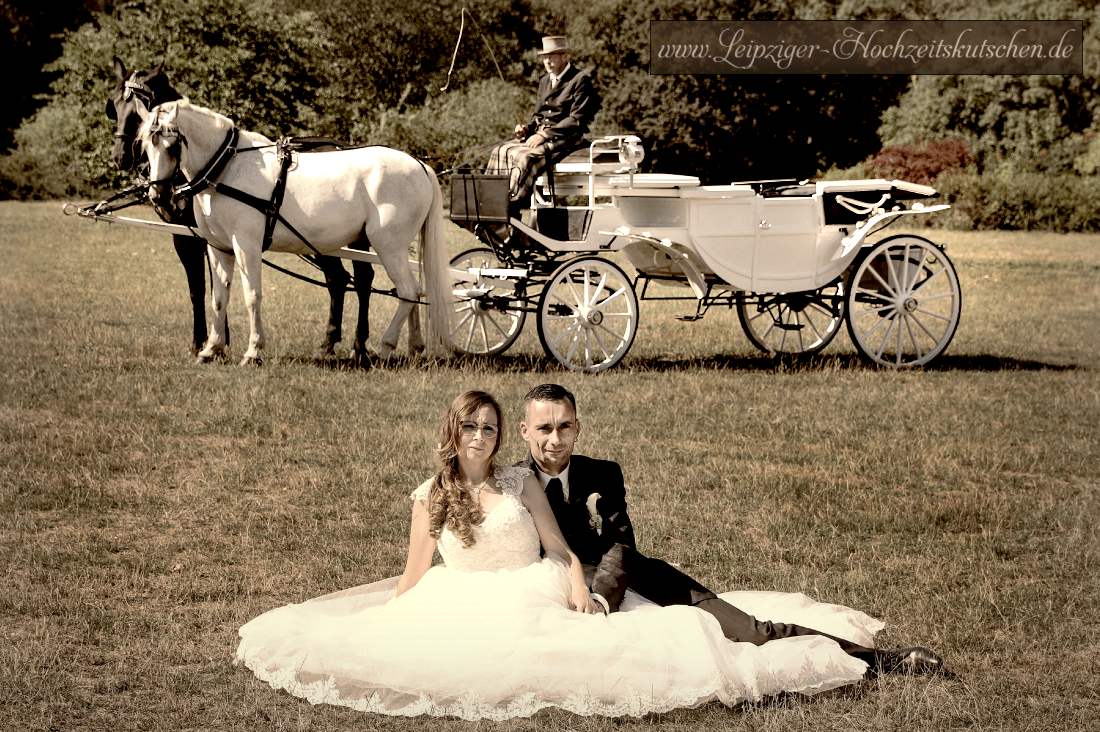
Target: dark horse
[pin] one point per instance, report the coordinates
(152, 88)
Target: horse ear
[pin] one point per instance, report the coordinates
(156, 70)
(120, 68)
(141, 109)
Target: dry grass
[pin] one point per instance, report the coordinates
(149, 506)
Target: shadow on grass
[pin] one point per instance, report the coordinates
(516, 363)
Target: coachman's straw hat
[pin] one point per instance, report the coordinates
(554, 44)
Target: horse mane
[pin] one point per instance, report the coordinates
(185, 103)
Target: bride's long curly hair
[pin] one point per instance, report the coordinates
(450, 503)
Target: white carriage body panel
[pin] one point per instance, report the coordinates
(723, 233)
(752, 242)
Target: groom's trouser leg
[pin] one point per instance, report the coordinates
(663, 584)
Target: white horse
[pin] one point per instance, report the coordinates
(332, 199)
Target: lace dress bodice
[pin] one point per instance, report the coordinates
(505, 539)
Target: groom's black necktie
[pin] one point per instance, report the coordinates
(555, 496)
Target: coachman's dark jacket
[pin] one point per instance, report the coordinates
(567, 110)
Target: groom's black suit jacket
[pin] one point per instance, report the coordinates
(605, 539)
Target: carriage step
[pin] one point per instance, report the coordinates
(689, 318)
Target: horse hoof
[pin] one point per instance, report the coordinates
(201, 358)
(361, 358)
(326, 350)
(252, 361)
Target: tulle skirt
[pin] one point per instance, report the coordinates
(504, 644)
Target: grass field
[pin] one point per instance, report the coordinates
(149, 506)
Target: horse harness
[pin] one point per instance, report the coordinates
(183, 194)
(285, 148)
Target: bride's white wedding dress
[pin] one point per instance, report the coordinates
(489, 635)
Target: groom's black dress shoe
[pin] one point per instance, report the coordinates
(914, 661)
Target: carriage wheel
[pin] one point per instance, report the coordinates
(588, 315)
(484, 324)
(903, 302)
(794, 323)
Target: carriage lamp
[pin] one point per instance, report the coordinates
(631, 151)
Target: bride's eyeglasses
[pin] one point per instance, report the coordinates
(472, 428)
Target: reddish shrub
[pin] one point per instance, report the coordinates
(921, 163)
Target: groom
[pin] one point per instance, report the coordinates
(589, 501)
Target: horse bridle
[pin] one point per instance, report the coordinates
(136, 88)
(209, 173)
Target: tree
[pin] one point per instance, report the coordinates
(1024, 123)
(724, 128)
(243, 59)
(388, 57)
(29, 39)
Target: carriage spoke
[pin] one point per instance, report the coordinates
(814, 327)
(872, 271)
(470, 334)
(599, 342)
(484, 334)
(609, 298)
(874, 293)
(783, 321)
(926, 331)
(916, 271)
(574, 343)
(913, 339)
(897, 341)
(829, 315)
(759, 314)
(577, 300)
(496, 325)
(924, 284)
(611, 333)
(462, 322)
(938, 296)
(904, 279)
(892, 274)
(600, 287)
(929, 313)
(885, 337)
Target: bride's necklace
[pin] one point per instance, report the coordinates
(475, 489)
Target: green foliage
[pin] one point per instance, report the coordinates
(1088, 162)
(392, 56)
(241, 58)
(1006, 199)
(723, 127)
(29, 32)
(453, 127)
(1034, 123)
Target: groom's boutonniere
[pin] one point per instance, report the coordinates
(594, 518)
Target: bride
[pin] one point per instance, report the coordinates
(497, 631)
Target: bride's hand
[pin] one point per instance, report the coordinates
(581, 601)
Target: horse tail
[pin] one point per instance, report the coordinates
(435, 272)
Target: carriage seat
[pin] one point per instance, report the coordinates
(604, 162)
(653, 180)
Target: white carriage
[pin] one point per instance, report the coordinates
(794, 258)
